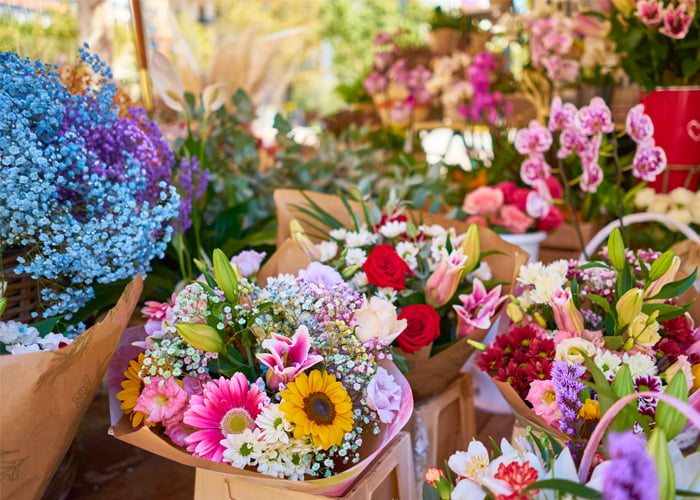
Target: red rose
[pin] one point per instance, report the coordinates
(385, 268)
(552, 220)
(508, 188)
(520, 198)
(423, 327)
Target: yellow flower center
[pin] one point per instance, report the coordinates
(161, 400)
(236, 421)
(550, 397)
(319, 408)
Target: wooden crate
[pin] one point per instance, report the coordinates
(390, 476)
(442, 425)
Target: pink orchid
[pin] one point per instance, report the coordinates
(676, 22)
(650, 12)
(639, 125)
(375, 83)
(591, 177)
(648, 162)
(562, 115)
(571, 140)
(478, 308)
(288, 357)
(536, 138)
(561, 69)
(596, 117)
(534, 168)
(539, 201)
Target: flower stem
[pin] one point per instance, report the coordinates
(618, 182)
(572, 209)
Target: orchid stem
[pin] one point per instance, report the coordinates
(572, 209)
(618, 182)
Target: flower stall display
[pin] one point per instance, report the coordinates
(621, 323)
(657, 41)
(446, 279)
(272, 381)
(397, 86)
(465, 86)
(87, 202)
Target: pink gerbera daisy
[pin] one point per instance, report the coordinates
(227, 406)
(162, 399)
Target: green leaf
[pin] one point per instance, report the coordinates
(355, 222)
(598, 300)
(613, 342)
(603, 386)
(225, 276)
(616, 250)
(675, 314)
(564, 486)
(668, 418)
(676, 288)
(623, 385)
(45, 327)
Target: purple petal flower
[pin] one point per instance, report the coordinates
(632, 473)
(638, 124)
(562, 115)
(478, 307)
(288, 357)
(591, 177)
(321, 275)
(536, 138)
(248, 262)
(596, 117)
(534, 168)
(568, 387)
(384, 395)
(649, 161)
(571, 140)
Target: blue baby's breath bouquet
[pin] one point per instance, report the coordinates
(86, 191)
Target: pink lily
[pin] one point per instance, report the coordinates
(566, 316)
(442, 284)
(288, 357)
(478, 308)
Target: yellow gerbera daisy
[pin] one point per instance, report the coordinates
(319, 406)
(131, 390)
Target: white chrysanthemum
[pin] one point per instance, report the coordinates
(525, 299)
(408, 252)
(359, 280)
(14, 332)
(51, 341)
(21, 348)
(545, 287)
(530, 272)
(640, 364)
(243, 448)
(295, 459)
(558, 268)
(338, 234)
(608, 362)
(274, 428)
(387, 293)
(361, 238)
(392, 229)
(432, 231)
(483, 272)
(355, 257)
(328, 249)
(269, 462)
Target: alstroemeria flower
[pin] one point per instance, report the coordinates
(478, 308)
(288, 357)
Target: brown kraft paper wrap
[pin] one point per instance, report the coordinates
(45, 395)
(428, 376)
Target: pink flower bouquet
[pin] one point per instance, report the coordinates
(271, 381)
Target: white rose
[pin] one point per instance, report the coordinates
(377, 319)
(569, 350)
(659, 205)
(681, 215)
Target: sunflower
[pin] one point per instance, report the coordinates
(131, 390)
(318, 405)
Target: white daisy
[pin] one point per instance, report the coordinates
(274, 428)
(355, 257)
(408, 252)
(608, 362)
(359, 280)
(386, 293)
(393, 229)
(243, 448)
(328, 249)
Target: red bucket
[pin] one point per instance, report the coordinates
(675, 112)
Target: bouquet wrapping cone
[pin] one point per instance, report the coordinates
(428, 375)
(45, 395)
(145, 438)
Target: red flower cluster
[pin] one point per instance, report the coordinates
(518, 357)
(423, 326)
(678, 338)
(385, 268)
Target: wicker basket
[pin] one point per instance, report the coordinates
(22, 294)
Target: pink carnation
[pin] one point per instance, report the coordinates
(162, 399)
(515, 220)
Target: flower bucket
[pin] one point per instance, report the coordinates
(675, 112)
(46, 394)
(443, 40)
(530, 242)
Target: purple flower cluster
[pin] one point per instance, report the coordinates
(484, 104)
(568, 387)
(631, 472)
(191, 181)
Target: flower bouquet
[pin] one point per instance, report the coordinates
(272, 382)
(621, 323)
(446, 280)
(87, 201)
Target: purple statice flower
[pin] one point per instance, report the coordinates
(639, 125)
(248, 262)
(568, 387)
(631, 473)
(648, 162)
(384, 395)
(596, 117)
